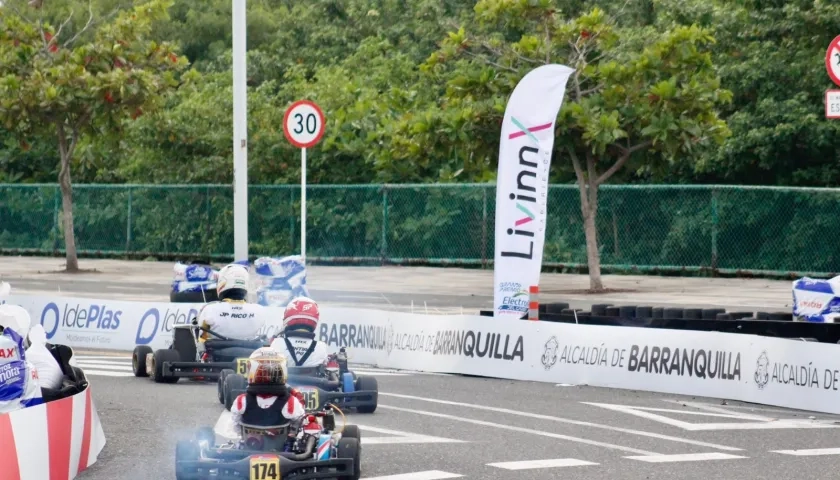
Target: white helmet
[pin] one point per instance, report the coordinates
(233, 282)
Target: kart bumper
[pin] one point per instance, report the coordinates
(210, 371)
(240, 468)
(362, 398)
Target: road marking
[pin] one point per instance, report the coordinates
(102, 373)
(724, 412)
(118, 368)
(427, 475)
(83, 358)
(809, 452)
(401, 437)
(521, 430)
(686, 457)
(97, 363)
(772, 424)
(553, 463)
(641, 433)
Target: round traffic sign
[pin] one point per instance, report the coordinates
(832, 60)
(304, 124)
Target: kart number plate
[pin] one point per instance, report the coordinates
(310, 398)
(242, 366)
(265, 467)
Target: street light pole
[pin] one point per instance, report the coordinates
(240, 134)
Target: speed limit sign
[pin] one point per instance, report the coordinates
(304, 124)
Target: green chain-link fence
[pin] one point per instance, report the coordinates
(646, 228)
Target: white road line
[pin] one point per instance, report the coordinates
(103, 362)
(809, 452)
(427, 475)
(121, 368)
(552, 463)
(521, 429)
(686, 457)
(101, 357)
(401, 437)
(723, 412)
(641, 433)
(102, 373)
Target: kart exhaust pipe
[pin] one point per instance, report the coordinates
(307, 452)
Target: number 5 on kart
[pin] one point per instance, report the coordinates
(265, 467)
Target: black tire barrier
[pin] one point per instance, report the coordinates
(693, 313)
(644, 312)
(556, 307)
(541, 308)
(627, 311)
(723, 316)
(783, 316)
(612, 312)
(762, 316)
(711, 313)
(672, 313)
(740, 315)
(600, 309)
(658, 312)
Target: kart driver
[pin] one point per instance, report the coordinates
(231, 317)
(267, 401)
(300, 321)
(19, 387)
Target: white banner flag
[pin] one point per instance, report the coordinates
(522, 185)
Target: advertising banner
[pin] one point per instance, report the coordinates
(527, 140)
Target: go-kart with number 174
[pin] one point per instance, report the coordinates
(331, 383)
(314, 449)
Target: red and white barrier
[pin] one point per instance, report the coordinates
(53, 441)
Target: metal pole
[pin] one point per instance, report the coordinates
(303, 204)
(240, 134)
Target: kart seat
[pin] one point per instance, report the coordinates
(74, 380)
(215, 344)
(254, 437)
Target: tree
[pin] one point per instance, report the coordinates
(639, 98)
(70, 85)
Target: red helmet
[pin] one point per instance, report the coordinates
(301, 314)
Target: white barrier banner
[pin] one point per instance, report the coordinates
(771, 371)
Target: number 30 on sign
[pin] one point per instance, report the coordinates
(832, 104)
(304, 124)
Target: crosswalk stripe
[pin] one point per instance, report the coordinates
(103, 373)
(550, 463)
(121, 368)
(427, 475)
(809, 452)
(686, 457)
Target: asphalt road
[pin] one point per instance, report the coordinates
(439, 426)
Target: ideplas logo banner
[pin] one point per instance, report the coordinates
(76, 323)
(157, 323)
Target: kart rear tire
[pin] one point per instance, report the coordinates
(352, 431)
(366, 383)
(185, 451)
(351, 448)
(160, 356)
(233, 381)
(220, 384)
(138, 360)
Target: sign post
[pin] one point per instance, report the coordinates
(303, 125)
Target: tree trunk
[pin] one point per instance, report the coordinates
(593, 254)
(66, 152)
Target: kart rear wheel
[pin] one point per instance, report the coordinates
(233, 381)
(138, 360)
(366, 383)
(220, 384)
(352, 431)
(161, 356)
(351, 448)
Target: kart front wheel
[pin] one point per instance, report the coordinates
(138, 360)
(367, 384)
(351, 448)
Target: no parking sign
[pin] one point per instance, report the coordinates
(832, 60)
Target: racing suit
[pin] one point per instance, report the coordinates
(267, 406)
(301, 349)
(233, 319)
(19, 386)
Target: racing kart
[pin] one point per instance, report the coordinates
(274, 452)
(332, 383)
(182, 359)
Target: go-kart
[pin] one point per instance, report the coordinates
(182, 359)
(331, 383)
(274, 452)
